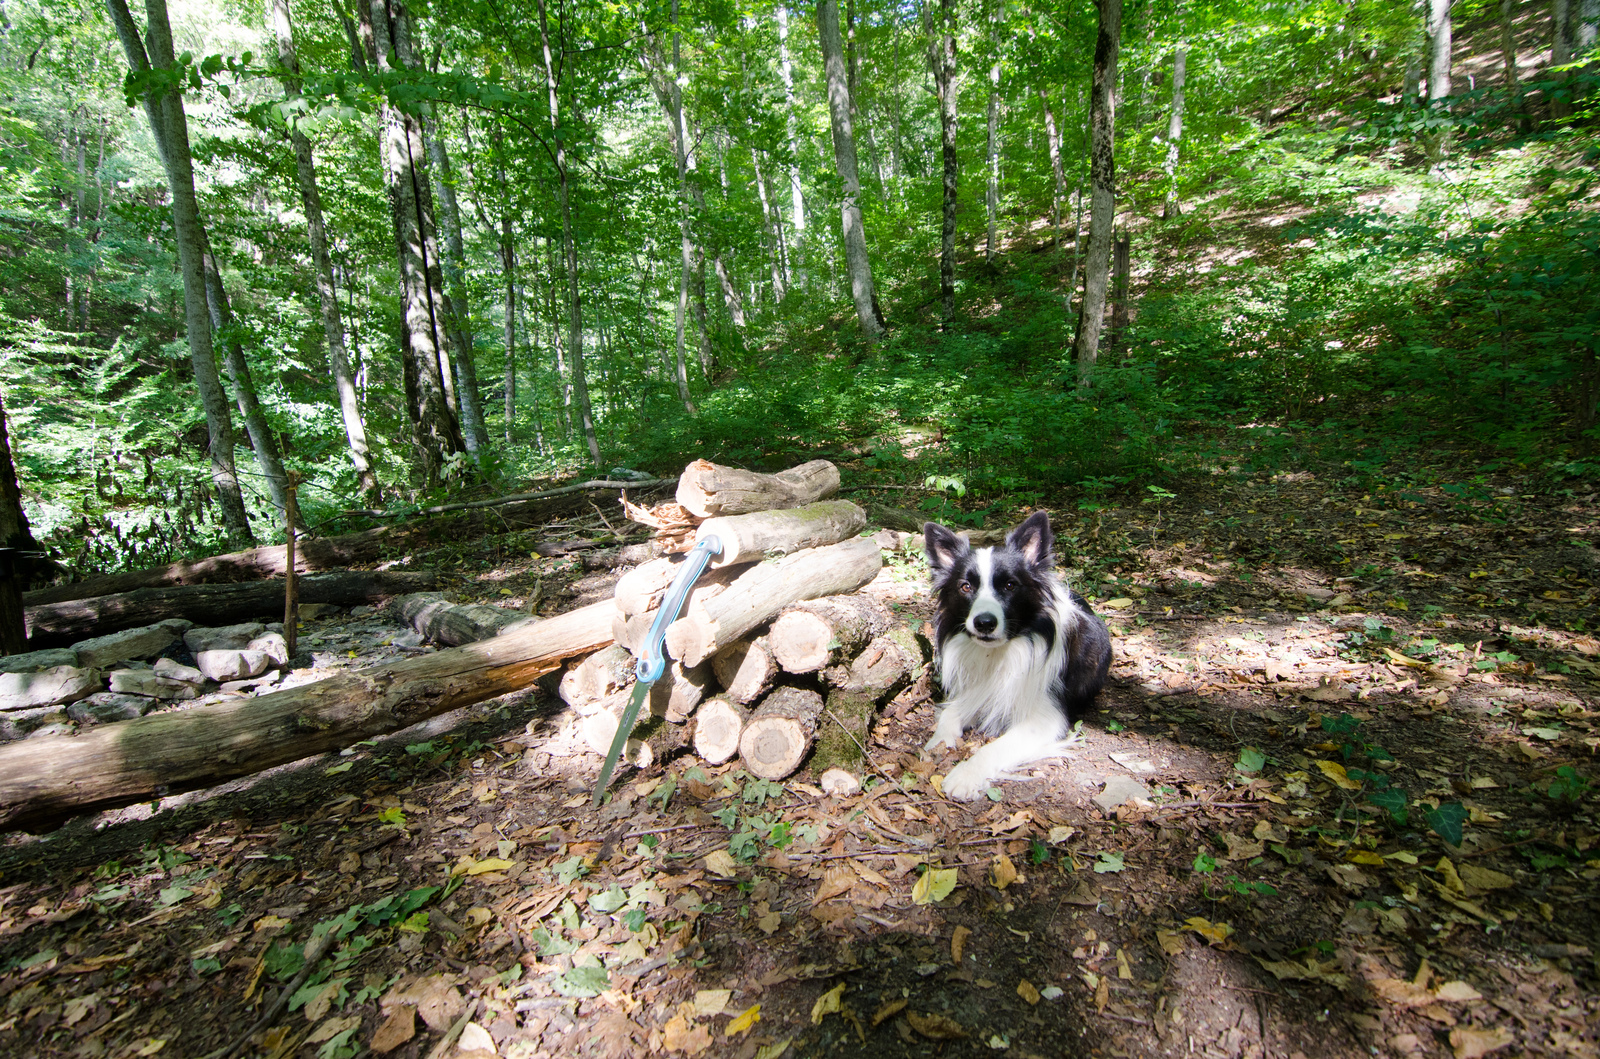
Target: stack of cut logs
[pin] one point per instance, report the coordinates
(775, 623)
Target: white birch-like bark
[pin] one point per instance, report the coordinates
(797, 221)
(1438, 49)
(1180, 65)
(1052, 133)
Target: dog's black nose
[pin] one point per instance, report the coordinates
(985, 623)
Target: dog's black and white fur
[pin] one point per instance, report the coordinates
(1019, 654)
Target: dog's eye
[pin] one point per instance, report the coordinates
(968, 588)
(1005, 584)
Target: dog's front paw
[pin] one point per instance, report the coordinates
(966, 782)
(937, 740)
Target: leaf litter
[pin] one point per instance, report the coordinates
(1370, 827)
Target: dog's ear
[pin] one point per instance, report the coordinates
(945, 549)
(1034, 540)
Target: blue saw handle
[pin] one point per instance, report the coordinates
(652, 663)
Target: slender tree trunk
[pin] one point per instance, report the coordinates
(435, 432)
(508, 265)
(1180, 63)
(170, 129)
(580, 385)
(355, 430)
(797, 223)
(1560, 48)
(1103, 184)
(991, 198)
(263, 444)
(774, 221)
(1586, 29)
(1052, 135)
(942, 58)
(844, 152)
(1438, 49)
(669, 94)
(458, 315)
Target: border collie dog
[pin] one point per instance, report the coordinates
(1020, 655)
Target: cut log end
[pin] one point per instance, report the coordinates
(717, 729)
(780, 732)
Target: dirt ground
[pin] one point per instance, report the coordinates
(1362, 717)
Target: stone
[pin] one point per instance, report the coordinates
(226, 665)
(1121, 790)
(142, 642)
(33, 661)
(126, 708)
(362, 610)
(106, 700)
(223, 638)
(170, 670)
(273, 645)
(134, 682)
(149, 683)
(55, 686)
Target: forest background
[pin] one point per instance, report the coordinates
(446, 247)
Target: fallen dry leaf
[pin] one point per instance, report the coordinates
(1335, 772)
(1215, 933)
(1457, 992)
(745, 1019)
(680, 1035)
(1002, 872)
(708, 1002)
(936, 1027)
(958, 944)
(1171, 941)
(827, 1004)
(1470, 1042)
(934, 885)
(721, 862)
(475, 1041)
(889, 1009)
(397, 1029)
(332, 1028)
(1027, 992)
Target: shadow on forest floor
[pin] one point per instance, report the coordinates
(1290, 654)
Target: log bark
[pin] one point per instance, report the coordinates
(780, 732)
(816, 633)
(707, 489)
(758, 595)
(717, 729)
(757, 534)
(48, 777)
(886, 664)
(745, 669)
(62, 624)
(642, 589)
(454, 624)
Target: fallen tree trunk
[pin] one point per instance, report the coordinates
(48, 777)
(707, 489)
(779, 732)
(454, 624)
(760, 593)
(62, 624)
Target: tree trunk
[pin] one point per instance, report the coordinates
(1438, 49)
(669, 93)
(991, 196)
(1103, 182)
(1121, 246)
(580, 384)
(262, 443)
(436, 434)
(797, 223)
(1053, 139)
(1180, 64)
(457, 308)
(774, 218)
(170, 129)
(61, 624)
(355, 430)
(454, 624)
(844, 152)
(48, 777)
(942, 57)
(15, 538)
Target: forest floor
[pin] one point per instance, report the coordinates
(1291, 652)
